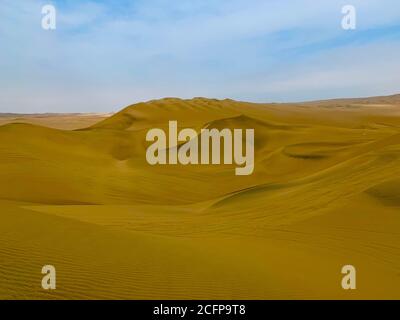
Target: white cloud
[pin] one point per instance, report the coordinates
(106, 54)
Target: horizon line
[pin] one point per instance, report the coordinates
(206, 98)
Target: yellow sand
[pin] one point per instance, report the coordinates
(325, 193)
(57, 121)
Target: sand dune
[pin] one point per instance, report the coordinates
(54, 120)
(324, 193)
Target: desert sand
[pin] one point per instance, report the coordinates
(55, 120)
(77, 193)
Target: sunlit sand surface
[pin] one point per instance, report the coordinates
(76, 192)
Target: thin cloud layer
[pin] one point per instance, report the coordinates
(104, 55)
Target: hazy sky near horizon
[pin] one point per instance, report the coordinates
(105, 55)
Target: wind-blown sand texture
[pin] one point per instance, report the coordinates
(325, 193)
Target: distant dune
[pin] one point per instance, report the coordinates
(390, 100)
(69, 121)
(76, 192)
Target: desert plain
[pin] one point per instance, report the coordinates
(76, 192)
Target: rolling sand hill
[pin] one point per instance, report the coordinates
(325, 193)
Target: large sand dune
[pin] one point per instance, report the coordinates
(325, 192)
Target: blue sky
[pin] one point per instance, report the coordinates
(105, 55)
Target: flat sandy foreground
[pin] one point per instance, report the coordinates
(76, 192)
